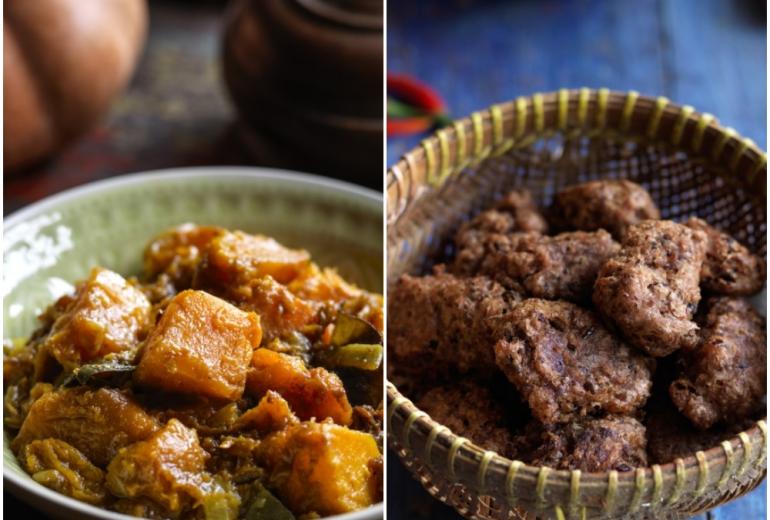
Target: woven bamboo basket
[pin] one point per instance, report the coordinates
(691, 166)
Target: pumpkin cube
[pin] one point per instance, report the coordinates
(106, 315)
(167, 468)
(311, 393)
(271, 414)
(177, 252)
(96, 422)
(237, 258)
(280, 312)
(321, 467)
(202, 345)
(319, 284)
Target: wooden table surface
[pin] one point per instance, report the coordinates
(710, 54)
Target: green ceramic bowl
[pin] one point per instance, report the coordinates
(55, 242)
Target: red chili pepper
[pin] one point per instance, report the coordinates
(409, 126)
(413, 107)
(415, 93)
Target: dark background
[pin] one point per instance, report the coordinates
(710, 54)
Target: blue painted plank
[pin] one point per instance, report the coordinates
(476, 53)
(492, 51)
(750, 507)
(716, 60)
(709, 53)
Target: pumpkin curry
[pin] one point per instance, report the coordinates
(235, 379)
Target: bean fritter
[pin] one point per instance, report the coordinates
(567, 365)
(442, 321)
(559, 267)
(723, 380)
(543, 347)
(670, 435)
(650, 289)
(613, 442)
(609, 204)
(470, 410)
(515, 212)
(729, 268)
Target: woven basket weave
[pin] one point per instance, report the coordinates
(689, 164)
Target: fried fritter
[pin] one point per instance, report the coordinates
(442, 321)
(670, 435)
(608, 204)
(613, 442)
(470, 410)
(559, 267)
(650, 289)
(723, 380)
(514, 212)
(567, 365)
(729, 268)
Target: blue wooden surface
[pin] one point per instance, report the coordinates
(710, 54)
(705, 53)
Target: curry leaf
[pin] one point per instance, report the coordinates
(351, 329)
(265, 506)
(357, 355)
(99, 372)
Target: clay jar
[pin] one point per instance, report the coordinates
(306, 77)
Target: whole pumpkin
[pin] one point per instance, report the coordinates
(64, 62)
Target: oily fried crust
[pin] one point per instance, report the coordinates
(723, 380)
(670, 435)
(650, 289)
(729, 268)
(608, 204)
(441, 321)
(559, 267)
(470, 410)
(514, 212)
(567, 365)
(611, 443)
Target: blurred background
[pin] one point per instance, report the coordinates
(710, 54)
(95, 89)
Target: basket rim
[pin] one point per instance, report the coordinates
(399, 403)
(572, 106)
(488, 125)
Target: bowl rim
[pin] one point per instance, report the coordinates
(195, 172)
(23, 487)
